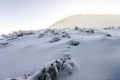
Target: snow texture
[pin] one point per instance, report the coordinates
(97, 57)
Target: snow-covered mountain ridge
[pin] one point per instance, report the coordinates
(96, 57)
(88, 21)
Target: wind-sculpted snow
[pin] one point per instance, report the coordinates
(52, 71)
(96, 55)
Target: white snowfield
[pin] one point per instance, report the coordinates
(88, 21)
(96, 57)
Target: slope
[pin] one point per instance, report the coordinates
(96, 57)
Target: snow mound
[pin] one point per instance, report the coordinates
(51, 71)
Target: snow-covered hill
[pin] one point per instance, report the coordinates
(96, 57)
(88, 21)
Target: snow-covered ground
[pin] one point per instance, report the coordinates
(96, 57)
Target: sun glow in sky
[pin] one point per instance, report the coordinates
(39, 14)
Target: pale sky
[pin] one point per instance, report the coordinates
(39, 14)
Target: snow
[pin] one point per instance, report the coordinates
(97, 57)
(88, 21)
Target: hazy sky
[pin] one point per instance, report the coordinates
(38, 14)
